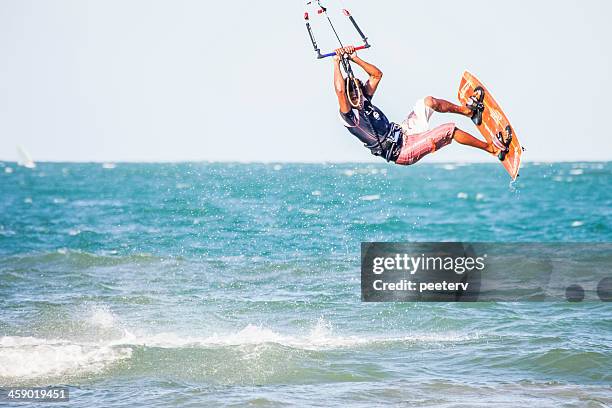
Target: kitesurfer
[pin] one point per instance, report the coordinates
(407, 142)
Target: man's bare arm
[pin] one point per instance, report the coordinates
(340, 87)
(375, 74)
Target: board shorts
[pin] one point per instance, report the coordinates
(418, 139)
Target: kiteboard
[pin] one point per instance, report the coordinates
(494, 122)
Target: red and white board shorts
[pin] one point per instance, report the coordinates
(415, 147)
(419, 140)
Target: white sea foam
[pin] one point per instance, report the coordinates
(96, 203)
(462, 196)
(278, 167)
(316, 193)
(577, 224)
(102, 316)
(35, 358)
(6, 232)
(576, 172)
(109, 166)
(365, 170)
(372, 197)
(8, 170)
(320, 337)
(30, 357)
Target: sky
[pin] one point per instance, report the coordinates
(182, 80)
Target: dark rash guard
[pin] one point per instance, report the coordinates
(367, 124)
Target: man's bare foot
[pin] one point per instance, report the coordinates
(476, 105)
(494, 150)
(500, 145)
(505, 139)
(466, 111)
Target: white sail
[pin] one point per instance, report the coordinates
(25, 159)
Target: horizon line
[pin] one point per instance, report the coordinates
(281, 162)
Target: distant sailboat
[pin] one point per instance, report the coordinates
(25, 159)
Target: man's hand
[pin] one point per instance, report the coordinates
(348, 50)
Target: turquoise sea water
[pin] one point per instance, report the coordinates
(239, 284)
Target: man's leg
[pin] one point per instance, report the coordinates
(417, 146)
(465, 138)
(442, 106)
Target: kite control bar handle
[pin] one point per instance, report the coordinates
(331, 54)
(323, 10)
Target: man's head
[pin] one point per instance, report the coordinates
(354, 92)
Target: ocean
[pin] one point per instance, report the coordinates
(219, 284)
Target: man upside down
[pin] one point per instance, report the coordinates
(407, 142)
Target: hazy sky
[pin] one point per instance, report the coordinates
(151, 80)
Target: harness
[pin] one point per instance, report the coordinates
(390, 146)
